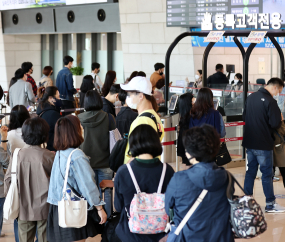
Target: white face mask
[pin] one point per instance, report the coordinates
(130, 103)
(197, 77)
(277, 95)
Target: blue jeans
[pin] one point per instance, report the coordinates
(2, 200)
(100, 175)
(263, 158)
(16, 231)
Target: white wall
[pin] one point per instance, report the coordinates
(16, 49)
(145, 40)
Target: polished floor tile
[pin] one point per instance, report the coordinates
(276, 222)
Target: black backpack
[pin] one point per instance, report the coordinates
(117, 155)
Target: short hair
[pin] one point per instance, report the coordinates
(219, 67)
(27, 66)
(275, 81)
(115, 89)
(35, 131)
(200, 71)
(67, 59)
(144, 140)
(239, 76)
(47, 70)
(19, 74)
(19, 114)
(95, 65)
(123, 95)
(93, 101)
(67, 133)
(87, 84)
(158, 66)
(141, 73)
(160, 83)
(202, 143)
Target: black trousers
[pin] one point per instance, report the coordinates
(66, 104)
(282, 171)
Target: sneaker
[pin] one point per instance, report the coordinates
(275, 208)
(275, 179)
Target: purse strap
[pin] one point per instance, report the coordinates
(14, 165)
(230, 186)
(191, 211)
(136, 183)
(67, 172)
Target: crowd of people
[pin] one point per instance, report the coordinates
(43, 142)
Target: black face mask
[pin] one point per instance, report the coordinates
(161, 73)
(58, 104)
(51, 73)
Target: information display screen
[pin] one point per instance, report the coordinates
(18, 4)
(190, 13)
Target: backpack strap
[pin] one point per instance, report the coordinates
(162, 178)
(14, 165)
(151, 116)
(133, 178)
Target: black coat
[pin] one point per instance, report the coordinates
(217, 78)
(124, 119)
(50, 114)
(262, 116)
(148, 177)
(108, 107)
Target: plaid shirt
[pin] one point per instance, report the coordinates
(34, 85)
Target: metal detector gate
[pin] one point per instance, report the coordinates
(245, 55)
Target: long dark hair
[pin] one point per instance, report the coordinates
(109, 80)
(48, 92)
(185, 106)
(87, 84)
(12, 82)
(203, 103)
(19, 114)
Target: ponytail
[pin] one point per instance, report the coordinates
(40, 92)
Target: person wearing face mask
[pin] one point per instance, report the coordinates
(46, 81)
(139, 97)
(110, 99)
(49, 110)
(64, 83)
(219, 78)
(157, 75)
(262, 118)
(28, 69)
(237, 82)
(198, 78)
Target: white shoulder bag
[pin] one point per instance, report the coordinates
(12, 202)
(71, 214)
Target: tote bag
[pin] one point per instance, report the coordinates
(71, 214)
(12, 202)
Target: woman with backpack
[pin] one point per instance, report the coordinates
(148, 170)
(211, 220)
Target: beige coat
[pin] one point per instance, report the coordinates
(279, 147)
(33, 174)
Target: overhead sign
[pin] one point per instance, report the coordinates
(241, 21)
(255, 37)
(229, 42)
(18, 4)
(214, 36)
(190, 13)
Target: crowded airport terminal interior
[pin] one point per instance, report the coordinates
(142, 120)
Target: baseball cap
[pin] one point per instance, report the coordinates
(139, 84)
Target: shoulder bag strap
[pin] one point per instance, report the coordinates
(229, 188)
(66, 172)
(162, 178)
(14, 165)
(191, 211)
(133, 178)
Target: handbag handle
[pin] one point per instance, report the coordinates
(14, 165)
(66, 173)
(230, 188)
(190, 212)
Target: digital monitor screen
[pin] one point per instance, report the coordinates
(230, 68)
(191, 84)
(18, 4)
(173, 102)
(190, 13)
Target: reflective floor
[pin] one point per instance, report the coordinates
(276, 222)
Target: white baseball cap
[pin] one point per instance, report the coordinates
(139, 84)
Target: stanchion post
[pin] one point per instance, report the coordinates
(176, 143)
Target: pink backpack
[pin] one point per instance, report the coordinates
(147, 211)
